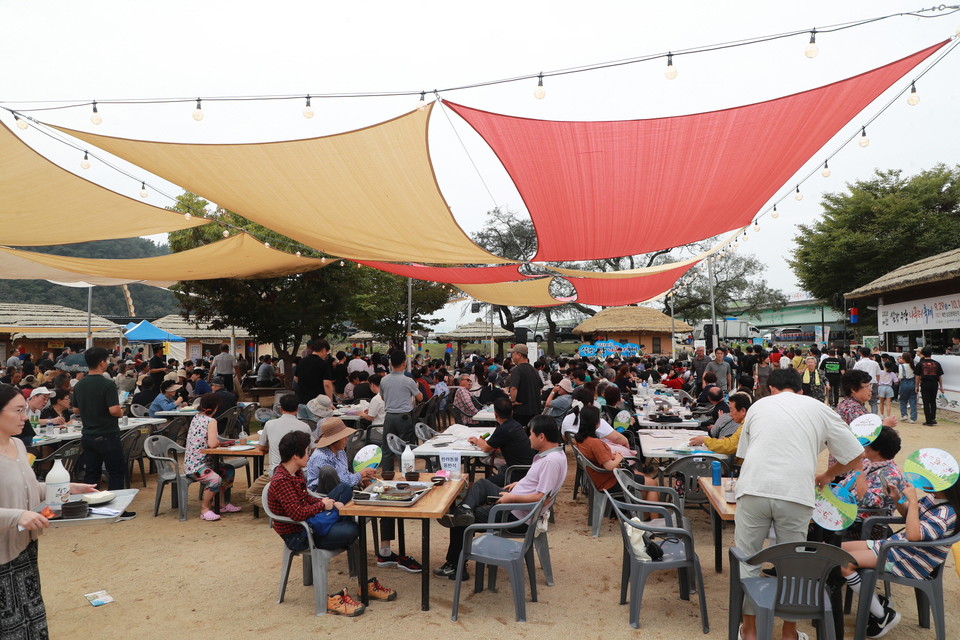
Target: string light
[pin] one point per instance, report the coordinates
(198, 112)
(226, 233)
(21, 124)
(187, 216)
(775, 214)
(540, 93)
(298, 254)
(359, 265)
(756, 227)
(143, 190)
(826, 170)
(323, 261)
(745, 237)
(95, 117)
(266, 244)
(671, 71)
(308, 110)
(913, 99)
(864, 140)
(812, 49)
(341, 263)
(85, 163)
(422, 104)
(798, 196)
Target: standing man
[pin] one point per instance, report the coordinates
(834, 367)
(157, 367)
(447, 353)
(524, 384)
(314, 374)
(929, 375)
(399, 392)
(868, 364)
(781, 438)
(699, 364)
(721, 368)
(97, 401)
(225, 365)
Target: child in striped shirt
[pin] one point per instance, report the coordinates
(926, 519)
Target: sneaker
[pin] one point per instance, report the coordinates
(387, 561)
(462, 516)
(341, 604)
(377, 591)
(229, 508)
(928, 424)
(127, 515)
(408, 564)
(878, 627)
(449, 570)
(904, 419)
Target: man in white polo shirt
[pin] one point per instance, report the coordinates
(781, 438)
(269, 442)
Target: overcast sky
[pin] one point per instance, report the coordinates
(120, 49)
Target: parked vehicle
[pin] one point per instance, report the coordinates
(727, 330)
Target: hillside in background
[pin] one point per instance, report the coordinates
(107, 301)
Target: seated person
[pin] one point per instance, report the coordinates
(879, 471)
(199, 383)
(288, 497)
(267, 374)
(599, 453)
(353, 379)
(718, 406)
(201, 435)
(583, 398)
(509, 438)
(724, 436)
(745, 385)
(376, 412)
(422, 383)
(928, 518)
(147, 393)
(709, 382)
(491, 390)
(361, 390)
(463, 400)
(59, 411)
(614, 408)
(328, 469)
(546, 475)
(674, 381)
(316, 410)
(559, 400)
(166, 400)
(273, 431)
(227, 399)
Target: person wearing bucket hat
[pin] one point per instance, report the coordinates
(320, 407)
(165, 399)
(328, 471)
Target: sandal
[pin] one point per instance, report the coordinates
(229, 508)
(209, 516)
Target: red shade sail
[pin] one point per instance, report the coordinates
(615, 293)
(608, 189)
(451, 275)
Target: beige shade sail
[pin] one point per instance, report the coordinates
(321, 191)
(527, 293)
(17, 265)
(240, 256)
(44, 204)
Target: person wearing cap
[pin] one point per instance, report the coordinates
(165, 400)
(328, 472)
(524, 386)
(37, 404)
(200, 385)
(227, 399)
(273, 431)
(560, 400)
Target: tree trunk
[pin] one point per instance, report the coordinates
(551, 332)
(287, 359)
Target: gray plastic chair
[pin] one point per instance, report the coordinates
(132, 442)
(678, 553)
(315, 561)
(139, 411)
(928, 593)
(424, 432)
(541, 545)
(159, 449)
(396, 444)
(689, 469)
(799, 590)
(70, 456)
(597, 507)
(265, 413)
(633, 493)
(499, 551)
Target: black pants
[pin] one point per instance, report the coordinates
(227, 381)
(834, 390)
(99, 451)
(476, 499)
(928, 392)
(399, 424)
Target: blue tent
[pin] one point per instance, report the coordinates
(146, 332)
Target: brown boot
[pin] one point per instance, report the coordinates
(341, 604)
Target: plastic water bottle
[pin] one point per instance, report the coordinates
(58, 485)
(407, 463)
(715, 467)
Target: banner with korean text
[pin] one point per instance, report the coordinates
(939, 312)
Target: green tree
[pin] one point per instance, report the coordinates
(380, 305)
(876, 226)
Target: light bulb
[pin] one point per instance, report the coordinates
(745, 237)
(775, 214)
(913, 99)
(85, 163)
(187, 216)
(826, 170)
(226, 233)
(422, 104)
(143, 190)
(864, 140)
(798, 196)
(756, 227)
(95, 117)
(266, 244)
(540, 93)
(323, 261)
(198, 112)
(308, 110)
(298, 254)
(341, 263)
(735, 244)
(21, 124)
(671, 71)
(812, 49)
(359, 265)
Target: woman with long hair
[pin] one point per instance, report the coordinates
(598, 451)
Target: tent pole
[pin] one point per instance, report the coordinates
(493, 353)
(714, 338)
(89, 312)
(409, 342)
(673, 332)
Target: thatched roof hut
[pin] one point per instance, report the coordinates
(640, 325)
(939, 268)
(477, 331)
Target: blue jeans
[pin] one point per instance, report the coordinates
(908, 395)
(342, 534)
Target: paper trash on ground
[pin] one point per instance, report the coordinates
(98, 598)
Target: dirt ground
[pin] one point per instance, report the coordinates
(199, 579)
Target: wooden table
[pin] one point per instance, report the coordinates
(720, 509)
(430, 507)
(221, 452)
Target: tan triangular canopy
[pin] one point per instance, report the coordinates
(527, 293)
(368, 194)
(240, 256)
(44, 204)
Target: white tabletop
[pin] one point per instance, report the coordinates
(176, 413)
(484, 416)
(73, 433)
(644, 423)
(454, 440)
(668, 443)
(120, 503)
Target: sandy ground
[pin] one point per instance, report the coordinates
(199, 579)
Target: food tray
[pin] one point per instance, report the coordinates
(420, 490)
